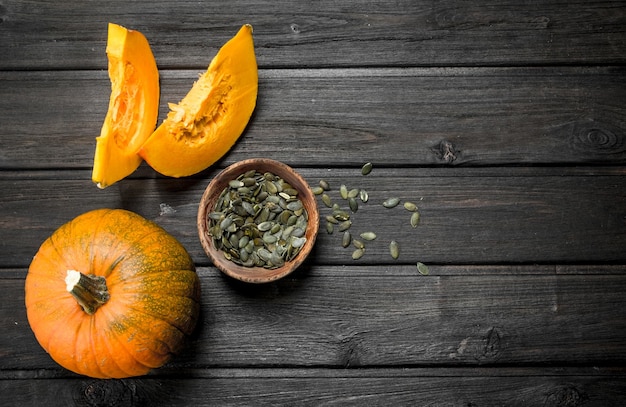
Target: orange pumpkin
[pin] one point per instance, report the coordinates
(206, 123)
(112, 295)
(133, 106)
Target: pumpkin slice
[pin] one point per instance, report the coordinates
(133, 106)
(206, 123)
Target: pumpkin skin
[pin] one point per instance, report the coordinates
(154, 295)
(212, 116)
(133, 106)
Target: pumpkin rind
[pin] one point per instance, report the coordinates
(133, 105)
(154, 295)
(208, 121)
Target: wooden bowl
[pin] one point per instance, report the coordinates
(256, 274)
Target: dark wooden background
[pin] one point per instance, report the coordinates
(504, 120)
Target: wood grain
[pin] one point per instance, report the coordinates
(503, 121)
(386, 316)
(414, 117)
(345, 387)
(485, 217)
(62, 35)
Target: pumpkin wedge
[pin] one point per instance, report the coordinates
(133, 105)
(206, 123)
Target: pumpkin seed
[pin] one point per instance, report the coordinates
(341, 215)
(298, 242)
(391, 202)
(364, 196)
(329, 228)
(327, 201)
(346, 239)
(410, 206)
(394, 249)
(324, 185)
(415, 218)
(345, 225)
(354, 206)
(368, 235)
(343, 191)
(317, 190)
(258, 221)
(366, 169)
(358, 253)
(358, 244)
(332, 219)
(422, 268)
(353, 193)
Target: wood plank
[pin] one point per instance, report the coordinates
(460, 116)
(382, 316)
(483, 217)
(53, 35)
(306, 387)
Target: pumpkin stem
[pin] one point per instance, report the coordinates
(89, 290)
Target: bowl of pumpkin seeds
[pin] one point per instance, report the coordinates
(258, 220)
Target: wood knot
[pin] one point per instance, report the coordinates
(597, 139)
(445, 151)
(565, 396)
(350, 351)
(107, 393)
(492, 345)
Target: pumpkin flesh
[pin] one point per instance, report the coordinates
(208, 121)
(153, 292)
(133, 105)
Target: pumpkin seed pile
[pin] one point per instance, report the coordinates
(258, 220)
(340, 220)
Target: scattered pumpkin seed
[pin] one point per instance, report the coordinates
(346, 239)
(394, 249)
(317, 190)
(353, 193)
(327, 201)
(358, 244)
(332, 219)
(354, 206)
(368, 235)
(364, 196)
(415, 218)
(329, 228)
(345, 225)
(422, 268)
(324, 185)
(343, 191)
(391, 202)
(366, 169)
(410, 206)
(341, 215)
(358, 253)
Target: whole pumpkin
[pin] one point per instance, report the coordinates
(112, 295)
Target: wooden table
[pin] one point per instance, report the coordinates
(504, 121)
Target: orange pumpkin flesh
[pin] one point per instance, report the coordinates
(133, 106)
(210, 118)
(151, 303)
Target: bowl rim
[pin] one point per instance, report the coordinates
(215, 188)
